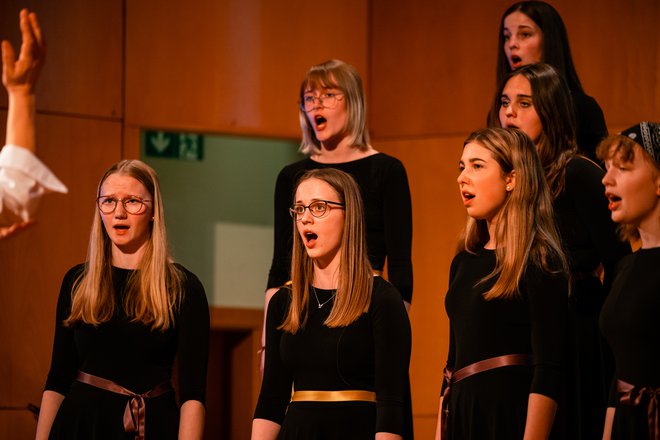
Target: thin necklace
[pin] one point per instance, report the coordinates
(321, 304)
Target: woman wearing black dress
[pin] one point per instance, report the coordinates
(533, 32)
(122, 318)
(535, 99)
(338, 335)
(507, 297)
(630, 314)
(333, 123)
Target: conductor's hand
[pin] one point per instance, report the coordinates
(8, 231)
(20, 75)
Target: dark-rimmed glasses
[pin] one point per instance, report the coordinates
(326, 100)
(131, 204)
(318, 208)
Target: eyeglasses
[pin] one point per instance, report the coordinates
(326, 100)
(132, 204)
(318, 208)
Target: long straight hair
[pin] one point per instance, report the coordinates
(556, 51)
(336, 74)
(355, 276)
(525, 230)
(552, 102)
(154, 291)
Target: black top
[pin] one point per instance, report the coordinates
(372, 353)
(388, 215)
(589, 123)
(630, 318)
(587, 231)
(131, 354)
(532, 324)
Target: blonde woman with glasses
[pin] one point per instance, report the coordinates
(122, 318)
(334, 134)
(338, 336)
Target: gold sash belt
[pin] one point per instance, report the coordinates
(333, 396)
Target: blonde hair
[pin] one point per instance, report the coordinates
(336, 74)
(154, 291)
(625, 149)
(355, 273)
(525, 229)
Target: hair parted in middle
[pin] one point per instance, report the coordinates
(154, 290)
(525, 230)
(552, 103)
(355, 277)
(556, 50)
(336, 74)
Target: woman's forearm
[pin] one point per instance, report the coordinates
(50, 404)
(191, 420)
(540, 417)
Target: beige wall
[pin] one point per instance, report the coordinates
(234, 67)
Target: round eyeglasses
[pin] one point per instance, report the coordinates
(132, 204)
(326, 100)
(318, 208)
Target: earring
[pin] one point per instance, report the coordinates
(508, 187)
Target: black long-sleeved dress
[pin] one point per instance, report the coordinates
(373, 354)
(590, 240)
(493, 404)
(131, 355)
(388, 215)
(629, 321)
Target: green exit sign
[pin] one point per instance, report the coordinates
(183, 146)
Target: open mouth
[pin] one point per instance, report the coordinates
(121, 227)
(614, 201)
(467, 196)
(511, 126)
(515, 60)
(320, 121)
(310, 238)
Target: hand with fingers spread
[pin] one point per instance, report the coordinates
(24, 179)
(20, 75)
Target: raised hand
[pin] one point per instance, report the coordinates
(20, 75)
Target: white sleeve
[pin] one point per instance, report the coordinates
(24, 179)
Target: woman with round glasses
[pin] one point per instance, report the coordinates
(533, 32)
(506, 300)
(333, 122)
(338, 336)
(629, 319)
(122, 318)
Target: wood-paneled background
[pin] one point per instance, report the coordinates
(234, 67)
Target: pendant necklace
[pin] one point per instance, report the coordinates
(321, 304)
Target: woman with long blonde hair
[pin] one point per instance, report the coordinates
(122, 317)
(338, 335)
(507, 297)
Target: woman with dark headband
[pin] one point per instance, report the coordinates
(629, 319)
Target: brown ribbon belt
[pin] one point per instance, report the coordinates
(333, 396)
(135, 410)
(632, 395)
(472, 369)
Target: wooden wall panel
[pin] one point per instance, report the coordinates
(438, 218)
(433, 63)
(33, 263)
(83, 71)
(233, 66)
